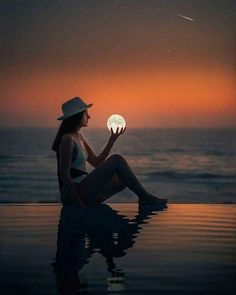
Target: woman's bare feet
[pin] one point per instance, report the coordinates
(150, 199)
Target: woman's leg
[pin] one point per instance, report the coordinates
(99, 178)
(114, 186)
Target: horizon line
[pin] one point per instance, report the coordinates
(130, 128)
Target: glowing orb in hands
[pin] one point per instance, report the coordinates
(116, 121)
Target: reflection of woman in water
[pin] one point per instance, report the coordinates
(107, 233)
(110, 175)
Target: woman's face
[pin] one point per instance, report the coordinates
(85, 119)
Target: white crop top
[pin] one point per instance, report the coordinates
(80, 160)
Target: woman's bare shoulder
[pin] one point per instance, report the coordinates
(67, 138)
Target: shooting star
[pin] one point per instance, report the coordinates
(183, 16)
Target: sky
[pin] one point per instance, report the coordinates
(158, 63)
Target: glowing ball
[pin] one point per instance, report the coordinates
(116, 121)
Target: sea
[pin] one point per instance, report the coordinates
(183, 165)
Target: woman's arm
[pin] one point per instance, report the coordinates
(65, 156)
(97, 160)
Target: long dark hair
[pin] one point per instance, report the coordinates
(68, 125)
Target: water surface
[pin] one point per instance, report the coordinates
(183, 165)
(119, 248)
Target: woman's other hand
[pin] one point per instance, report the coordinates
(115, 135)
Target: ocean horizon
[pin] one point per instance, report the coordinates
(185, 165)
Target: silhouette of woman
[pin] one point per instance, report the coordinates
(110, 175)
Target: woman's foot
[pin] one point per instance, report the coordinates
(150, 199)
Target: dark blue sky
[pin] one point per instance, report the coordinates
(88, 33)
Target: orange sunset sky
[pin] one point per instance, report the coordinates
(136, 58)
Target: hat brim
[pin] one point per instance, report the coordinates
(75, 112)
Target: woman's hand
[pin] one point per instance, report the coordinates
(115, 135)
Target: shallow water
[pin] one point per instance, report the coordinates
(119, 249)
(183, 165)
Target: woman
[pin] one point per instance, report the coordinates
(109, 176)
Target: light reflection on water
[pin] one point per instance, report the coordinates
(136, 250)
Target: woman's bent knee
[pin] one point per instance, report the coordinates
(116, 158)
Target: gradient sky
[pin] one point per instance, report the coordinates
(136, 58)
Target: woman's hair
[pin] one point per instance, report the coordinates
(68, 125)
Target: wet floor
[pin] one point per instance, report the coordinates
(118, 249)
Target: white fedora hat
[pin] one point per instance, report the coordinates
(73, 106)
